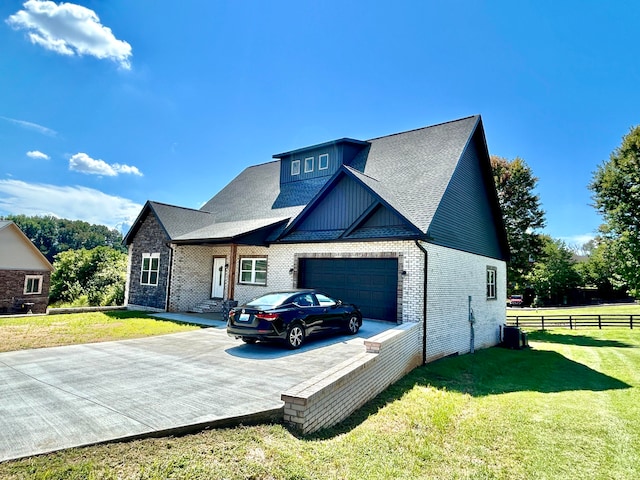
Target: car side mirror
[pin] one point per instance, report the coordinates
(339, 303)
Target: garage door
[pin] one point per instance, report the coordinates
(370, 283)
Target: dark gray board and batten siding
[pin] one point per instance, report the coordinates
(465, 219)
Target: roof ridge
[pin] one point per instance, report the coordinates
(261, 164)
(176, 206)
(424, 128)
(355, 170)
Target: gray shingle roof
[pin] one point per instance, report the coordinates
(410, 171)
(415, 167)
(178, 221)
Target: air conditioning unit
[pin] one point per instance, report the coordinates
(513, 337)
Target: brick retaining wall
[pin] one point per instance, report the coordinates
(332, 396)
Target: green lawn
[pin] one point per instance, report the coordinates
(568, 408)
(21, 333)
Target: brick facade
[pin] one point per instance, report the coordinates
(150, 238)
(12, 296)
(452, 277)
(332, 396)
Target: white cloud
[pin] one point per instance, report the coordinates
(31, 126)
(70, 29)
(126, 169)
(83, 163)
(38, 155)
(72, 202)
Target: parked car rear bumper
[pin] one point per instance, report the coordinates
(258, 334)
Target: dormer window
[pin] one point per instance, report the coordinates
(308, 164)
(295, 167)
(323, 161)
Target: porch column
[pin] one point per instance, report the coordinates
(232, 271)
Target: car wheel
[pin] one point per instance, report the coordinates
(353, 325)
(248, 340)
(295, 336)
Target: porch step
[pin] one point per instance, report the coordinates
(208, 306)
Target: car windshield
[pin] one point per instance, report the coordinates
(269, 300)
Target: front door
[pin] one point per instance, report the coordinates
(217, 285)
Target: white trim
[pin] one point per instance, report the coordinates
(218, 275)
(320, 158)
(492, 274)
(308, 170)
(27, 284)
(252, 271)
(295, 167)
(150, 270)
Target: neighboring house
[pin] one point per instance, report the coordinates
(24, 273)
(407, 226)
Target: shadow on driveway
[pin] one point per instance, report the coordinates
(269, 350)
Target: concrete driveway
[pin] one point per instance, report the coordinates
(62, 397)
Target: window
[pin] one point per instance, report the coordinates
(305, 300)
(32, 284)
(324, 300)
(323, 161)
(308, 164)
(253, 270)
(295, 167)
(491, 283)
(150, 268)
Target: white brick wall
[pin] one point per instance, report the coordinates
(332, 396)
(191, 275)
(453, 276)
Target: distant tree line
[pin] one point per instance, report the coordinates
(550, 272)
(53, 235)
(89, 261)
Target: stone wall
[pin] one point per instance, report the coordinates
(150, 238)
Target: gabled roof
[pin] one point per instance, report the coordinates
(175, 221)
(409, 173)
(416, 166)
(375, 187)
(18, 252)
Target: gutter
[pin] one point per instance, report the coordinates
(167, 301)
(424, 302)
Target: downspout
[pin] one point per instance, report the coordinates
(472, 320)
(169, 276)
(424, 302)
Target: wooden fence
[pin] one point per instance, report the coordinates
(572, 321)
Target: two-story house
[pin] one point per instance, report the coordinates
(406, 226)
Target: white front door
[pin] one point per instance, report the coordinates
(217, 285)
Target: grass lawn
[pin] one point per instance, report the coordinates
(21, 333)
(568, 408)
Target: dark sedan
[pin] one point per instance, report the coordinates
(292, 316)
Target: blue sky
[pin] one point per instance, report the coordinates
(104, 105)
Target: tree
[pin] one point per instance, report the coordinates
(53, 235)
(515, 185)
(616, 194)
(597, 270)
(97, 276)
(554, 275)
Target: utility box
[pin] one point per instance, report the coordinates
(512, 337)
